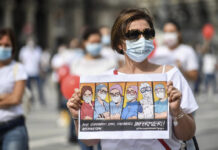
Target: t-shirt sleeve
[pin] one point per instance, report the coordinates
(20, 72)
(188, 102)
(192, 60)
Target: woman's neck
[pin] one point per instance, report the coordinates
(90, 57)
(174, 47)
(131, 67)
(4, 63)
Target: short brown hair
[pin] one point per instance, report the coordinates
(8, 32)
(121, 23)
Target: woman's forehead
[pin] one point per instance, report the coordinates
(139, 25)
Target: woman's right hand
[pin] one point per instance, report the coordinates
(74, 103)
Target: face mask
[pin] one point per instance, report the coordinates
(161, 95)
(5, 53)
(146, 95)
(139, 50)
(130, 97)
(105, 39)
(102, 96)
(87, 99)
(93, 49)
(116, 99)
(170, 39)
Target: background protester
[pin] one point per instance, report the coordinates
(92, 63)
(132, 33)
(13, 132)
(107, 51)
(174, 52)
(30, 56)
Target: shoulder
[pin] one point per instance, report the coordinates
(169, 67)
(186, 48)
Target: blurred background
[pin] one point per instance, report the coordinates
(56, 26)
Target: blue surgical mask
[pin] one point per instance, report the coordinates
(139, 50)
(105, 39)
(94, 49)
(5, 53)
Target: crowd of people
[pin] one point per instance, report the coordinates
(126, 48)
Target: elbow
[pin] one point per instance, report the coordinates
(193, 76)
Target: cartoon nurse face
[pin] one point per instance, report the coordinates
(131, 94)
(115, 95)
(87, 96)
(102, 93)
(160, 91)
(146, 91)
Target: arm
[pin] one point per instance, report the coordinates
(14, 98)
(74, 105)
(185, 129)
(190, 75)
(185, 125)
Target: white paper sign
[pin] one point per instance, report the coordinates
(124, 107)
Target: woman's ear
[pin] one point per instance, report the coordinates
(122, 47)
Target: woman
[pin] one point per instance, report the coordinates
(131, 109)
(174, 52)
(101, 106)
(132, 35)
(116, 104)
(13, 133)
(92, 63)
(87, 108)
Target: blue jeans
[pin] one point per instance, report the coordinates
(38, 81)
(14, 139)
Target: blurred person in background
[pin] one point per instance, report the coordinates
(63, 58)
(93, 62)
(107, 51)
(13, 132)
(30, 56)
(210, 67)
(45, 64)
(174, 52)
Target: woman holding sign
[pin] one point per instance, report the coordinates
(132, 35)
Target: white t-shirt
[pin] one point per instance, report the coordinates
(8, 76)
(30, 58)
(92, 67)
(188, 104)
(184, 53)
(209, 64)
(66, 58)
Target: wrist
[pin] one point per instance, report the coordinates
(177, 117)
(176, 112)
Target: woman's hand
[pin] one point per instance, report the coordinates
(74, 103)
(174, 97)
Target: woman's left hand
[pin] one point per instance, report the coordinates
(174, 97)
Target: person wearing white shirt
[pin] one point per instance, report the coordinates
(132, 34)
(173, 52)
(13, 132)
(93, 62)
(30, 56)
